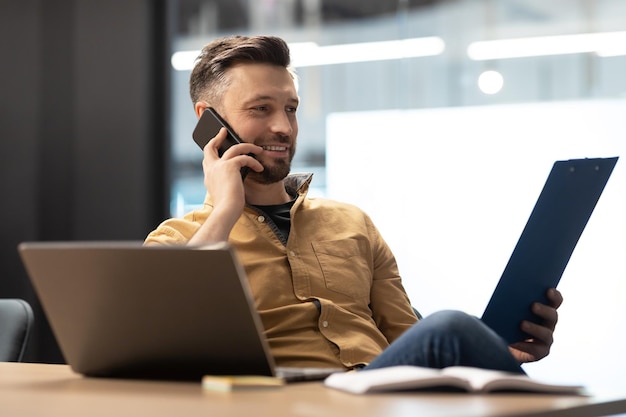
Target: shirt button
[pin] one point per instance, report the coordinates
(292, 253)
(261, 219)
(324, 323)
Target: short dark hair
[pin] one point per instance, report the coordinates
(208, 78)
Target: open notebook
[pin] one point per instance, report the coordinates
(120, 309)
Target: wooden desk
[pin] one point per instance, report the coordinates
(54, 390)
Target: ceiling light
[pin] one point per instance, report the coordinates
(548, 45)
(313, 55)
(306, 54)
(490, 82)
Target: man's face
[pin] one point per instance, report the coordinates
(260, 104)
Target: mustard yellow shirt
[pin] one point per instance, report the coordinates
(331, 296)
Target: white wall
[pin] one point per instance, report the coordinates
(451, 190)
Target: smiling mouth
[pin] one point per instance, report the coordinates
(275, 148)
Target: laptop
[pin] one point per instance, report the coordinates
(547, 242)
(120, 309)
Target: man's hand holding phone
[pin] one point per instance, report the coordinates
(225, 154)
(235, 158)
(223, 181)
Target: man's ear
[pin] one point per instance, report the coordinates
(200, 107)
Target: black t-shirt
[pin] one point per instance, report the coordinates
(280, 215)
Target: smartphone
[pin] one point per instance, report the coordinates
(208, 126)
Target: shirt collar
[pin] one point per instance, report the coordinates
(298, 183)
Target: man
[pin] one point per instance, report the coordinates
(326, 284)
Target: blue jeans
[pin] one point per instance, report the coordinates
(449, 338)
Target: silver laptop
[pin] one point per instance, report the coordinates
(119, 309)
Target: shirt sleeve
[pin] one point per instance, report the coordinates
(173, 232)
(390, 304)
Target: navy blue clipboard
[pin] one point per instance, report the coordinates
(538, 261)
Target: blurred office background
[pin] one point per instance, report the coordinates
(394, 75)
(96, 129)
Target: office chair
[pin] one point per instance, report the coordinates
(16, 321)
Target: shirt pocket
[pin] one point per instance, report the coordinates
(345, 266)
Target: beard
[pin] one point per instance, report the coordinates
(277, 171)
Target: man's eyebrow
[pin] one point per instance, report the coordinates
(272, 98)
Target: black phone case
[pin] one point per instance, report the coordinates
(208, 126)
